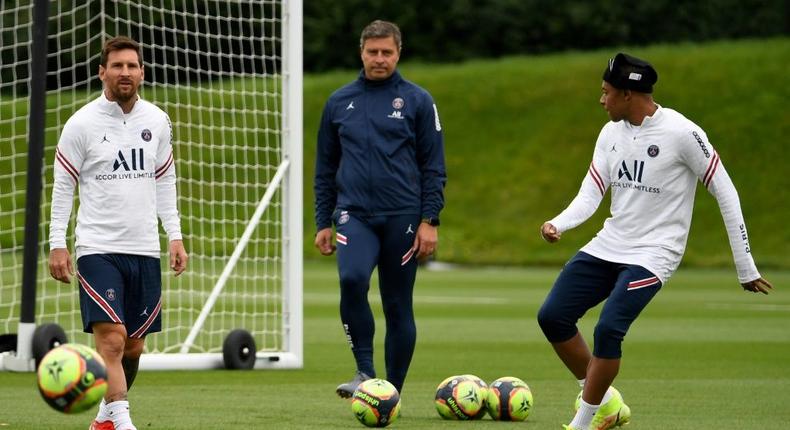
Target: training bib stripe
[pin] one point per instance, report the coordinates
(66, 165)
(99, 300)
(341, 239)
(597, 179)
(140, 331)
(642, 283)
(714, 163)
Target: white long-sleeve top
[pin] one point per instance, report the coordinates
(124, 166)
(652, 171)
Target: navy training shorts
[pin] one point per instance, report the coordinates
(121, 288)
(586, 281)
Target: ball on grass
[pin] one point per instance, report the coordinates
(72, 378)
(376, 403)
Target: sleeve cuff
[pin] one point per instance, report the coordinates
(57, 244)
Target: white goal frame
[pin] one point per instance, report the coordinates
(287, 184)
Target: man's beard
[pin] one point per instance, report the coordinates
(121, 96)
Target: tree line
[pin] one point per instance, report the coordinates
(457, 30)
(434, 31)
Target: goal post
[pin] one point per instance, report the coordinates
(229, 75)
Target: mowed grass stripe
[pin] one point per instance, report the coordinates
(686, 366)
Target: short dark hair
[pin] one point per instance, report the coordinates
(119, 43)
(380, 29)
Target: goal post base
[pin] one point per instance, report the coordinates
(9, 361)
(20, 359)
(207, 361)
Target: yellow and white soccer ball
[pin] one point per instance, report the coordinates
(509, 399)
(483, 394)
(72, 378)
(459, 398)
(376, 403)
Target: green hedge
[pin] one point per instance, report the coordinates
(520, 132)
(454, 30)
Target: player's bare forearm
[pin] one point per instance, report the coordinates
(759, 285)
(178, 257)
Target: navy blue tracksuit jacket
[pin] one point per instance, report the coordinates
(380, 151)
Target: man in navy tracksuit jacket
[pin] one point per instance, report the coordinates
(379, 177)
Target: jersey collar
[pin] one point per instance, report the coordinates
(112, 108)
(655, 118)
(648, 120)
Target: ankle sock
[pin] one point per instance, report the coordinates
(584, 415)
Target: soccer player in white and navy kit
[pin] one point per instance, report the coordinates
(117, 150)
(651, 158)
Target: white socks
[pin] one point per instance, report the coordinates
(584, 415)
(118, 412)
(103, 414)
(606, 397)
(587, 411)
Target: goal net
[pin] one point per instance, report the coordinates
(228, 73)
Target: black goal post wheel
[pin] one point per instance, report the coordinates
(46, 337)
(238, 350)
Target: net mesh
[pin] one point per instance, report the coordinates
(213, 67)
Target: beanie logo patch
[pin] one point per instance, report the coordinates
(635, 76)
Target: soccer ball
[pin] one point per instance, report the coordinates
(458, 398)
(72, 378)
(509, 399)
(483, 394)
(376, 403)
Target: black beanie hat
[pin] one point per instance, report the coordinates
(630, 73)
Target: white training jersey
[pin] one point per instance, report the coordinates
(652, 171)
(124, 166)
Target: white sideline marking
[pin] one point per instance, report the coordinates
(461, 300)
(331, 298)
(749, 307)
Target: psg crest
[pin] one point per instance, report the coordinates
(652, 151)
(398, 103)
(146, 135)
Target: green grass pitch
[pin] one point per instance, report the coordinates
(703, 355)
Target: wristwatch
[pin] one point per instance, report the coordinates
(432, 221)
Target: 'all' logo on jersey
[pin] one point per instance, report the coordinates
(136, 160)
(635, 174)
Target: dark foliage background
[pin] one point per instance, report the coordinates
(434, 31)
(456, 30)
